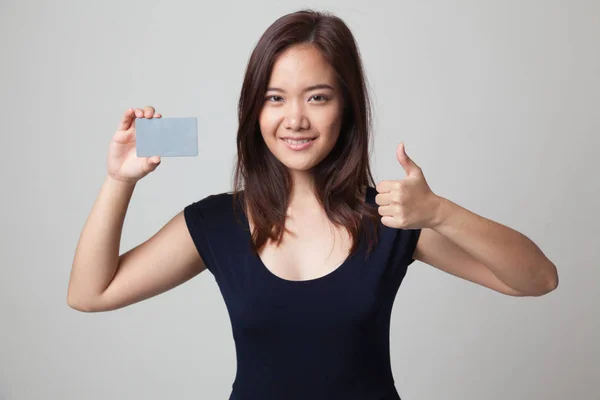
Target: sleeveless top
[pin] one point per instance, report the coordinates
(324, 338)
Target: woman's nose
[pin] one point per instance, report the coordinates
(296, 118)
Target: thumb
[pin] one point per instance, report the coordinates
(410, 167)
(153, 162)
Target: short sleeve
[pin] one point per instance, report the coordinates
(198, 228)
(211, 223)
(409, 239)
(402, 248)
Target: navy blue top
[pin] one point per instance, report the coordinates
(323, 338)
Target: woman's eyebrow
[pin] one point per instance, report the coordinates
(308, 89)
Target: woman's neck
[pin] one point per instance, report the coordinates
(303, 187)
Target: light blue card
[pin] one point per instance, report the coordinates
(166, 137)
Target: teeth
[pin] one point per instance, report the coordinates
(297, 141)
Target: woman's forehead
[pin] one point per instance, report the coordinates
(300, 67)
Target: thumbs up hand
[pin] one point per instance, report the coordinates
(408, 203)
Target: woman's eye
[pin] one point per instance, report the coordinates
(319, 97)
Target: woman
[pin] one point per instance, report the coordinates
(308, 252)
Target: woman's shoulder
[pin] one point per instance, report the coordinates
(212, 205)
(212, 200)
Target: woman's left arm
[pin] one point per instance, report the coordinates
(461, 242)
(511, 256)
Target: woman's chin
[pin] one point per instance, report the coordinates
(299, 167)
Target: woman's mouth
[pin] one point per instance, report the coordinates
(298, 144)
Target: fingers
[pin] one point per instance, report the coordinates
(149, 112)
(393, 197)
(139, 113)
(146, 112)
(383, 199)
(127, 119)
(387, 211)
(388, 186)
(153, 163)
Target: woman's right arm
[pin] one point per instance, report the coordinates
(103, 280)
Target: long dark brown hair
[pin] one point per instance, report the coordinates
(262, 184)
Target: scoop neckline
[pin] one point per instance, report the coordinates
(330, 275)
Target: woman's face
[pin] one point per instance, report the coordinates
(303, 102)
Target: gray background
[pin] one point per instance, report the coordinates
(497, 101)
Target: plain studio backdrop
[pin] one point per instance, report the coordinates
(497, 101)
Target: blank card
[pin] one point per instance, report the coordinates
(166, 137)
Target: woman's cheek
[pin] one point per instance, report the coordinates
(329, 122)
(267, 123)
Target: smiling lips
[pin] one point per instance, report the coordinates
(301, 144)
